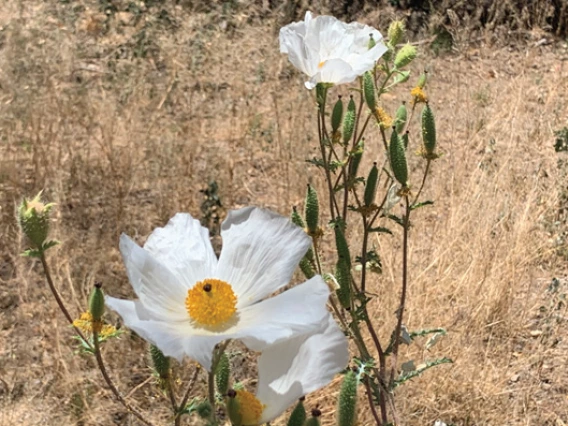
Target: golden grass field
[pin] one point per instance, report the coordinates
(123, 121)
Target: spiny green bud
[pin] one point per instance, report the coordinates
(298, 415)
(395, 32)
(314, 419)
(428, 130)
(349, 121)
(321, 93)
(160, 362)
(33, 218)
(337, 115)
(422, 79)
(97, 302)
(234, 408)
(343, 278)
(204, 409)
(405, 56)
(397, 155)
(369, 91)
(372, 43)
(222, 374)
(371, 186)
(347, 404)
(296, 218)
(306, 268)
(405, 139)
(341, 242)
(356, 160)
(312, 211)
(401, 117)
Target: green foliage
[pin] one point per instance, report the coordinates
(223, 374)
(408, 375)
(160, 362)
(347, 403)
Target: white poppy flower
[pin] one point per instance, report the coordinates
(291, 369)
(328, 50)
(188, 301)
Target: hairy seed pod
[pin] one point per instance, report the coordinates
(296, 218)
(298, 415)
(347, 404)
(401, 117)
(405, 56)
(428, 130)
(371, 186)
(341, 244)
(314, 419)
(343, 278)
(422, 79)
(337, 115)
(397, 155)
(97, 302)
(405, 139)
(306, 268)
(312, 210)
(160, 362)
(369, 91)
(222, 374)
(234, 409)
(356, 160)
(204, 409)
(349, 121)
(395, 32)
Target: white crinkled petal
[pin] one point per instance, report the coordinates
(261, 251)
(183, 246)
(337, 71)
(158, 288)
(296, 367)
(299, 310)
(175, 339)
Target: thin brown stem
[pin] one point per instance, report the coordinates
(371, 403)
(428, 161)
(189, 389)
(173, 402)
(110, 384)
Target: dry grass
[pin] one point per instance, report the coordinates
(124, 121)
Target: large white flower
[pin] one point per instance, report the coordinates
(188, 301)
(292, 369)
(330, 51)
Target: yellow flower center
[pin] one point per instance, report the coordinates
(86, 324)
(419, 95)
(321, 64)
(250, 408)
(211, 302)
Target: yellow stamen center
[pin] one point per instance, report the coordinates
(86, 324)
(419, 95)
(211, 302)
(250, 408)
(321, 64)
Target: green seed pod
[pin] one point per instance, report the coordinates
(321, 93)
(395, 32)
(401, 117)
(234, 408)
(428, 130)
(222, 374)
(349, 121)
(397, 155)
(298, 415)
(405, 56)
(356, 160)
(296, 218)
(306, 268)
(337, 115)
(160, 362)
(371, 186)
(343, 277)
(347, 404)
(204, 409)
(341, 244)
(372, 43)
(314, 419)
(312, 210)
(422, 79)
(369, 91)
(97, 302)
(33, 218)
(405, 139)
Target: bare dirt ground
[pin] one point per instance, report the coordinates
(126, 116)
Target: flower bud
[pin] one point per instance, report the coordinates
(314, 419)
(355, 161)
(204, 409)
(349, 121)
(422, 80)
(306, 268)
(397, 155)
(371, 186)
(405, 56)
(97, 303)
(372, 43)
(337, 115)
(33, 218)
(312, 211)
(298, 415)
(341, 242)
(296, 218)
(222, 374)
(343, 278)
(401, 117)
(395, 32)
(347, 406)
(428, 131)
(234, 408)
(160, 362)
(369, 91)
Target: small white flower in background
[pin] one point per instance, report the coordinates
(328, 50)
(291, 369)
(188, 301)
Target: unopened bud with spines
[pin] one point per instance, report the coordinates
(204, 409)
(397, 155)
(33, 218)
(296, 218)
(349, 121)
(369, 91)
(405, 56)
(395, 32)
(306, 268)
(356, 157)
(160, 362)
(312, 211)
(371, 186)
(372, 43)
(337, 115)
(97, 302)
(234, 408)
(314, 419)
(222, 374)
(422, 80)
(405, 138)
(428, 131)
(341, 242)
(401, 117)
(298, 415)
(347, 404)
(343, 278)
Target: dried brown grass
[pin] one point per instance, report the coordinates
(124, 121)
